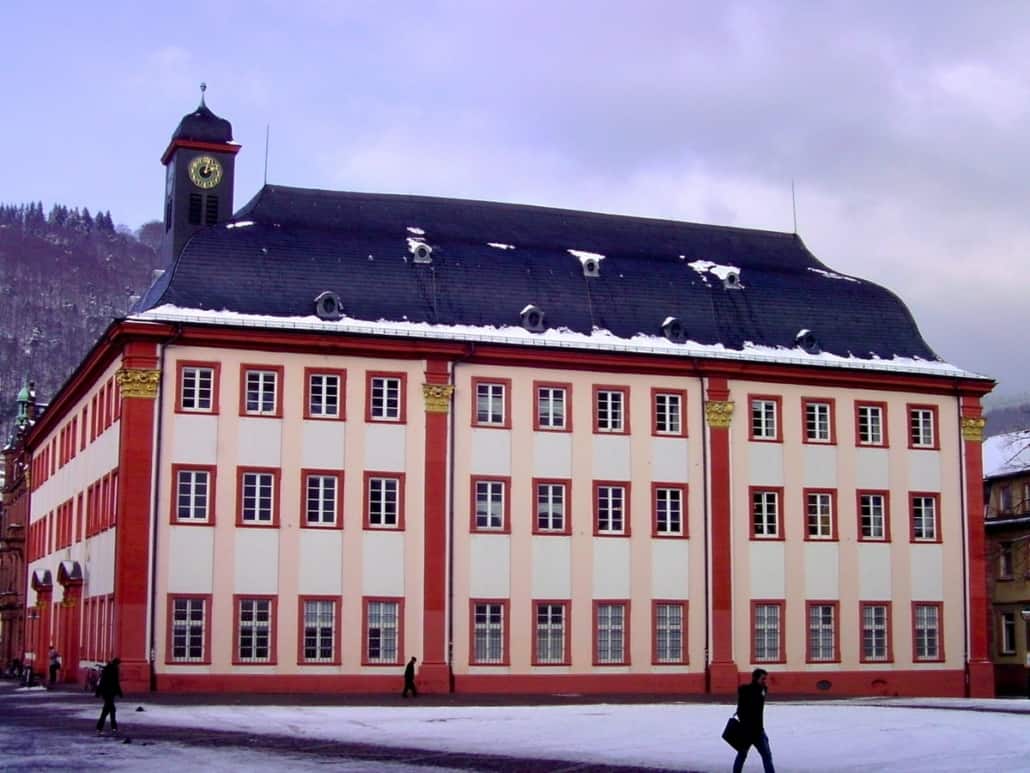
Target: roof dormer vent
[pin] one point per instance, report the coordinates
(421, 251)
(806, 340)
(532, 319)
(673, 330)
(328, 306)
(731, 280)
(591, 262)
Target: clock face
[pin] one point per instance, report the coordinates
(205, 172)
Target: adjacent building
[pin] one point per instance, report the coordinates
(541, 450)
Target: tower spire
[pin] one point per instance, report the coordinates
(203, 88)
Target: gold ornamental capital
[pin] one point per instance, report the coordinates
(437, 397)
(719, 413)
(973, 429)
(138, 382)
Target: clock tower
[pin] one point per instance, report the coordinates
(199, 164)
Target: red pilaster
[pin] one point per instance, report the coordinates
(722, 672)
(434, 675)
(980, 682)
(132, 531)
(45, 610)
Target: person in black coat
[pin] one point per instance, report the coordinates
(109, 687)
(750, 710)
(409, 680)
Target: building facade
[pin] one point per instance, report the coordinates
(540, 450)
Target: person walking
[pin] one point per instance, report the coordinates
(109, 687)
(750, 710)
(409, 680)
(55, 664)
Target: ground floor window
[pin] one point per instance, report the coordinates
(189, 629)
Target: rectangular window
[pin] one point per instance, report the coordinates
(669, 503)
(189, 630)
(492, 403)
(1008, 633)
(924, 518)
(820, 516)
(198, 388)
(876, 639)
(822, 631)
(610, 623)
(551, 411)
(255, 632)
(871, 424)
(922, 426)
(384, 501)
(611, 505)
(194, 494)
(261, 391)
(552, 502)
(873, 516)
(668, 413)
(765, 514)
(386, 397)
(258, 497)
(818, 421)
(550, 642)
(767, 632)
(765, 418)
(382, 631)
(323, 498)
(669, 621)
(926, 623)
(319, 630)
(489, 621)
(325, 391)
(1005, 561)
(610, 409)
(490, 505)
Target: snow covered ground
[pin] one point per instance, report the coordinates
(855, 735)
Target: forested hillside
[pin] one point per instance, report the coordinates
(63, 277)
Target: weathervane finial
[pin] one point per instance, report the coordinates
(203, 88)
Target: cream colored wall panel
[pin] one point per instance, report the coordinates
(874, 572)
(385, 447)
(256, 561)
(871, 468)
(765, 464)
(552, 568)
(822, 571)
(382, 563)
(611, 457)
(670, 460)
(191, 557)
(490, 575)
(322, 444)
(611, 568)
(820, 466)
(194, 439)
(552, 454)
(99, 564)
(927, 564)
(924, 471)
(767, 570)
(670, 578)
(259, 442)
(491, 452)
(320, 566)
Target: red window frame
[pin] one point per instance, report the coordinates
(886, 513)
(885, 440)
(832, 403)
(367, 500)
(935, 445)
(684, 490)
(402, 397)
(505, 482)
(684, 606)
(339, 475)
(597, 389)
(940, 631)
(505, 632)
(251, 367)
(342, 398)
(276, 473)
(777, 400)
(365, 601)
(755, 603)
(180, 366)
(780, 516)
(834, 514)
(567, 516)
(337, 658)
(936, 497)
(212, 476)
(626, 637)
(888, 633)
(537, 386)
(835, 604)
(273, 629)
(626, 486)
(682, 395)
(566, 633)
(474, 414)
(170, 600)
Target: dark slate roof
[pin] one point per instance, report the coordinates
(203, 126)
(303, 242)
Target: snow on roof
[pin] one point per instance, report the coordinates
(585, 256)
(1006, 454)
(500, 245)
(833, 274)
(416, 230)
(706, 266)
(240, 224)
(561, 338)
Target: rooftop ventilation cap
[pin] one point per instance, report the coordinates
(673, 330)
(532, 319)
(328, 305)
(806, 340)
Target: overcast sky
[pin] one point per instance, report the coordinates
(904, 126)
